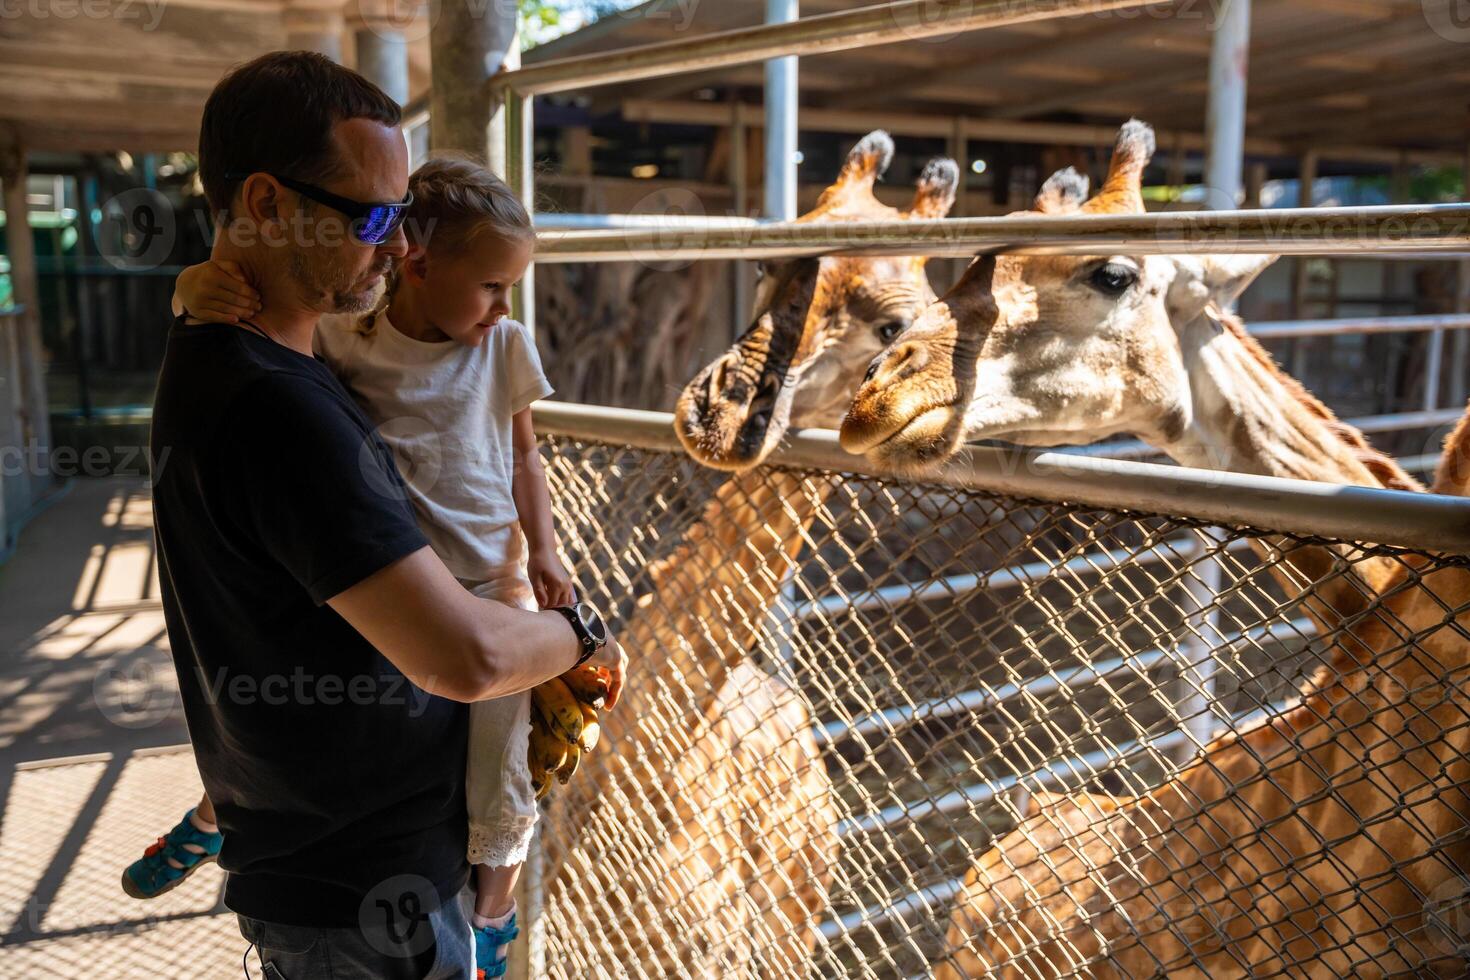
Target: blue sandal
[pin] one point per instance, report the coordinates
(151, 875)
(488, 941)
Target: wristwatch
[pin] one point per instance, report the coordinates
(588, 626)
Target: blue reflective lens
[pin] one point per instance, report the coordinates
(379, 224)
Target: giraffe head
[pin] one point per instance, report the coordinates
(818, 323)
(1048, 350)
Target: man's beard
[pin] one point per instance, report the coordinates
(329, 294)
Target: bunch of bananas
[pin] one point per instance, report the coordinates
(564, 724)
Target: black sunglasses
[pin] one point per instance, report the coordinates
(371, 224)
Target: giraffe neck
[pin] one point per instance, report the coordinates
(712, 596)
(710, 603)
(1248, 416)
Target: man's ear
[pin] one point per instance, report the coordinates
(259, 199)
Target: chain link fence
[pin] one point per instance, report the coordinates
(877, 728)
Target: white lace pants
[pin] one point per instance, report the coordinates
(502, 804)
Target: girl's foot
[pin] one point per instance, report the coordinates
(171, 859)
(491, 938)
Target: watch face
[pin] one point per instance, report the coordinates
(592, 622)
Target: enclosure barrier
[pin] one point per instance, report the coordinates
(809, 772)
(800, 788)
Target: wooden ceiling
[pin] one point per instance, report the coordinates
(1322, 72)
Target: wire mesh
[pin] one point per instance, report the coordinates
(879, 729)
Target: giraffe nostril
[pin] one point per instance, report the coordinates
(872, 371)
(717, 378)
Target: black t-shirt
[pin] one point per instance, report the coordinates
(331, 773)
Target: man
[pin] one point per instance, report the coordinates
(325, 655)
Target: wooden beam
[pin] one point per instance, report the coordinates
(1269, 58)
(969, 63)
(993, 130)
(30, 384)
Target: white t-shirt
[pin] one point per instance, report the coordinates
(445, 410)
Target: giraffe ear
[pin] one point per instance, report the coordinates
(935, 193)
(866, 161)
(1122, 192)
(1063, 192)
(1211, 280)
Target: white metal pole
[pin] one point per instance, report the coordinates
(1224, 163)
(781, 122)
(1225, 116)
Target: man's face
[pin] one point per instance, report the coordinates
(334, 272)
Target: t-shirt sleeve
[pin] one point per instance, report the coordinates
(300, 475)
(527, 381)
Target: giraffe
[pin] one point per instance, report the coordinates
(734, 845)
(1049, 350)
(1317, 842)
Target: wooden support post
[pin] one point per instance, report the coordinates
(741, 278)
(1175, 175)
(576, 151)
(958, 149)
(1255, 183)
(28, 382)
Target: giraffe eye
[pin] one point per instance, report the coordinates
(889, 330)
(1112, 278)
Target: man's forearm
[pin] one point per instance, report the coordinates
(540, 646)
(449, 642)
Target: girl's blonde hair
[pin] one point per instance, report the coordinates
(455, 200)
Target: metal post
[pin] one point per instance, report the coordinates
(1199, 711)
(781, 122)
(1224, 160)
(315, 25)
(1225, 117)
(520, 174)
(1462, 304)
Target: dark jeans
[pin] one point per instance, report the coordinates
(436, 947)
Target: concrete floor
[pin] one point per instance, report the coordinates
(94, 762)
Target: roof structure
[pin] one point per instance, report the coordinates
(1375, 77)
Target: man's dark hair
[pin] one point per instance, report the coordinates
(275, 114)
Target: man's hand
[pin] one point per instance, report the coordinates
(614, 662)
(216, 291)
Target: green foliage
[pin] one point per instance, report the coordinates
(1427, 185)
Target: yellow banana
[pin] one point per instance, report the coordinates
(587, 685)
(574, 756)
(560, 708)
(540, 781)
(591, 730)
(547, 747)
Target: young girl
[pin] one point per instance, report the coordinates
(448, 379)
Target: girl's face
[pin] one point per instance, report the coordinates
(464, 291)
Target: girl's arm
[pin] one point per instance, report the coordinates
(215, 291)
(549, 579)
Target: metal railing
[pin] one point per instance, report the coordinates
(1046, 636)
